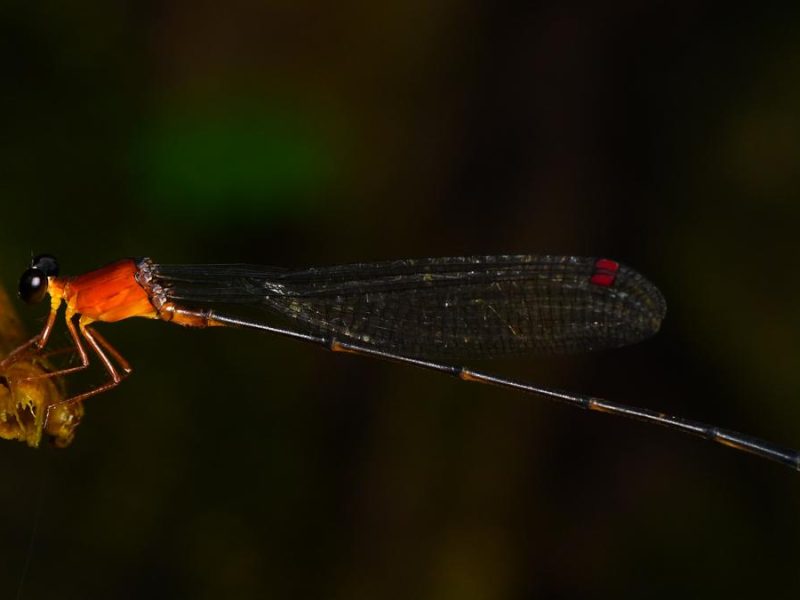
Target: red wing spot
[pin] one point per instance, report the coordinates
(604, 279)
(605, 272)
(605, 264)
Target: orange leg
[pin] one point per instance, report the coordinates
(121, 361)
(76, 340)
(94, 338)
(100, 346)
(56, 352)
(38, 341)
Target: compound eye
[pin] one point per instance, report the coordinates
(33, 286)
(46, 263)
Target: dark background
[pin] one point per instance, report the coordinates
(233, 465)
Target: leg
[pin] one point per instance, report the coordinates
(92, 337)
(121, 361)
(38, 341)
(56, 352)
(78, 347)
(97, 342)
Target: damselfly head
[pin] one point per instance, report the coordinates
(33, 283)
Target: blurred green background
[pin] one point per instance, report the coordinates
(232, 465)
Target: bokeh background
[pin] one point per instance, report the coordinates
(234, 465)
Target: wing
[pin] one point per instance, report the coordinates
(464, 307)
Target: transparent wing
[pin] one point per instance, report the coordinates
(463, 307)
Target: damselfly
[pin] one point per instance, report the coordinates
(428, 313)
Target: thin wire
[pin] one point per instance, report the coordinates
(37, 518)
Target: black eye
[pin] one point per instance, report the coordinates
(46, 263)
(33, 286)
